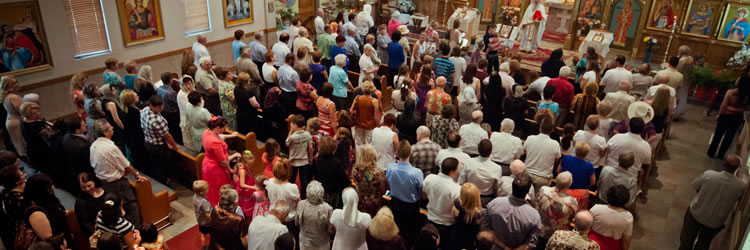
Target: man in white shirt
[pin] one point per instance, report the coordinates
(441, 190)
(111, 166)
(508, 80)
(472, 133)
(675, 77)
(263, 230)
(541, 154)
(453, 150)
(385, 141)
(613, 77)
(293, 32)
(630, 142)
(662, 80)
(537, 86)
(597, 144)
(280, 50)
(517, 167)
(319, 22)
(484, 173)
(505, 146)
(199, 49)
(620, 101)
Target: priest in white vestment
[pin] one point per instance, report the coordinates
(532, 28)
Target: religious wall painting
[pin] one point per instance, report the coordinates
(509, 16)
(625, 15)
(663, 14)
(589, 16)
(237, 12)
(701, 17)
(488, 9)
(24, 44)
(734, 25)
(140, 21)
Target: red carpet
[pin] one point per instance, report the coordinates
(554, 37)
(190, 239)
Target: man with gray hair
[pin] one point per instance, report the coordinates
(245, 64)
(207, 84)
(619, 175)
(662, 81)
(258, 50)
(199, 49)
(303, 41)
(424, 152)
(265, 229)
(472, 133)
(620, 101)
(555, 206)
(319, 22)
(564, 93)
(505, 146)
(507, 80)
(576, 239)
(111, 167)
(517, 167)
(227, 227)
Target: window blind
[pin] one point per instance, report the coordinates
(87, 27)
(197, 19)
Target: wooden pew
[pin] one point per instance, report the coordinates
(154, 207)
(80, 241)
(190, 165)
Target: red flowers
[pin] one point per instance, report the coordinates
(537, 16)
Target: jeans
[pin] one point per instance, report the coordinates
(726, 127)
(305, 176)
(493, 62)
(129, 200)
(692, 229)
(161, 165)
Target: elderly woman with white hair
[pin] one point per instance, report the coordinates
(227, 228)
(350, 224)
(383, 232)
(340, 81)
(313, 218)
(468, 105)
(369, 64)
(303, 41)
(555, 206)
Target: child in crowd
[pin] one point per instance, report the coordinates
(605, 123)
(202, 208)
(313, 126)
(150, 238)
(227, 187)
(262, 203)
(547, 103)
(300, 145)
(246, 184)
(273, 151)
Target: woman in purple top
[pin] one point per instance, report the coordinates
(423, 86)
(319, 73)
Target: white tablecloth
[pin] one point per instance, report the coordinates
(601, 47)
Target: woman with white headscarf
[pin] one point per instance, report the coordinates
(313, 218)
(144, 86)
(351, 224)
(467, 106)
(186, 86)
(364, 21)
(369, 63)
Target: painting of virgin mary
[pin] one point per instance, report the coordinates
(735, 26)
(141, 21)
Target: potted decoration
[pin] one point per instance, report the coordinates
(650, 46)
(710, 82)
(284, 17)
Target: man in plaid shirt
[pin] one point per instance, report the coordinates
(157, 139)
(424, 152)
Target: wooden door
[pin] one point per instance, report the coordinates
(306, 9)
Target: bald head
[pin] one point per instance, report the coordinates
(584, 221)
(732, 162)
(320, 12)
(625, 85)
(477, 116)
(440, 82)
(517, 167)
(201, 39)
(663, 78)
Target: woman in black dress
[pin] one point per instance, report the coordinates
(32, 129)
(39, 197)
(246, 94)
(114, 114)
(515, 106)
(408, 122)
(492, 101)
(133, 131)
(89, 203)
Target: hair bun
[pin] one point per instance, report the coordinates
(109, 203)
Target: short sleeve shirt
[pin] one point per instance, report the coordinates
(444, 67)
(338, 79)
(580, 169)
(154, 127)
(541, 153)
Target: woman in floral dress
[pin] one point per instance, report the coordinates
(226, 96)
(76, 88)
(369, 179)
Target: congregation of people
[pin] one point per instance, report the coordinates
(470, 152)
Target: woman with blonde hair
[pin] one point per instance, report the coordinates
(469, 215)
(132, 119)
(350, 223)
(31, 128)
(663, 111)
(369, 179)
(367, 111)
(279, 188)
(584, 104)
(76, 90)
(383, 232)
(9, 89)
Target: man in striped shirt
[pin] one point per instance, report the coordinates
(445, 68)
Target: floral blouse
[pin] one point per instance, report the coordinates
(228, 106)
(441, 128)
(370, 187)
(556, 211)
(78, 100)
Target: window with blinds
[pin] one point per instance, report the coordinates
(197, 17)
(87, 27)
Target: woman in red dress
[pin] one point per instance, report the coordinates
(216, 170)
